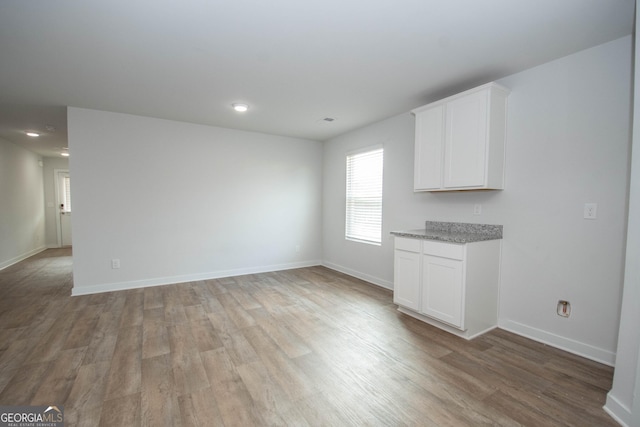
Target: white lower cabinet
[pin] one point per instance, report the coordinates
(449, 285)
(406, 273)
(442, 289)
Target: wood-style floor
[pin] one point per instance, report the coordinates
(300, 347)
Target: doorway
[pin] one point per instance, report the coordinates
(63, 198)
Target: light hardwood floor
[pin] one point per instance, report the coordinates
(301, 347)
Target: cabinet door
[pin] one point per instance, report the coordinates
(466, 141)
(406, 279)
(429, 149)
(442, 293)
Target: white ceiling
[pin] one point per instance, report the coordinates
(294, 62)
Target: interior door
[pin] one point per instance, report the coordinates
(64, 206)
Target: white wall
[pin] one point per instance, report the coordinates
(50, 202)
(399, 210)
(567, 144)
(180, 202)
(22, 206)
(569, 136)
(623, 401)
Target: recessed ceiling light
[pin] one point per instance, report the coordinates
(240, 108)
(33, 134)
(65, 154)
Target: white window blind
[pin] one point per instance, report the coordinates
(66, 184)
(364, 196)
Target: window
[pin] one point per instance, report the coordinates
(63, 189)
(364, 196)
(66, 194)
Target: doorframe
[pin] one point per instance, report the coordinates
(56, 180)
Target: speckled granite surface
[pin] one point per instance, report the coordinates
(455, 232)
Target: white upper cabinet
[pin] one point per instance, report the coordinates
(460, 141)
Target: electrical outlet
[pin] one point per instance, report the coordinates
(115, 263)
(564, 308)
(590, 210)
(477, 209)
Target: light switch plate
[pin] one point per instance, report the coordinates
(590, 210)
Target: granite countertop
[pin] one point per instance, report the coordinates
(454, 232)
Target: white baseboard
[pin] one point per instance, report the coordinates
(160, 281)
(576, 347)
(617, 411)
(359, 275)
(10, 262)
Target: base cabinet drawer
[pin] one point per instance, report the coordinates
(444, 250)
